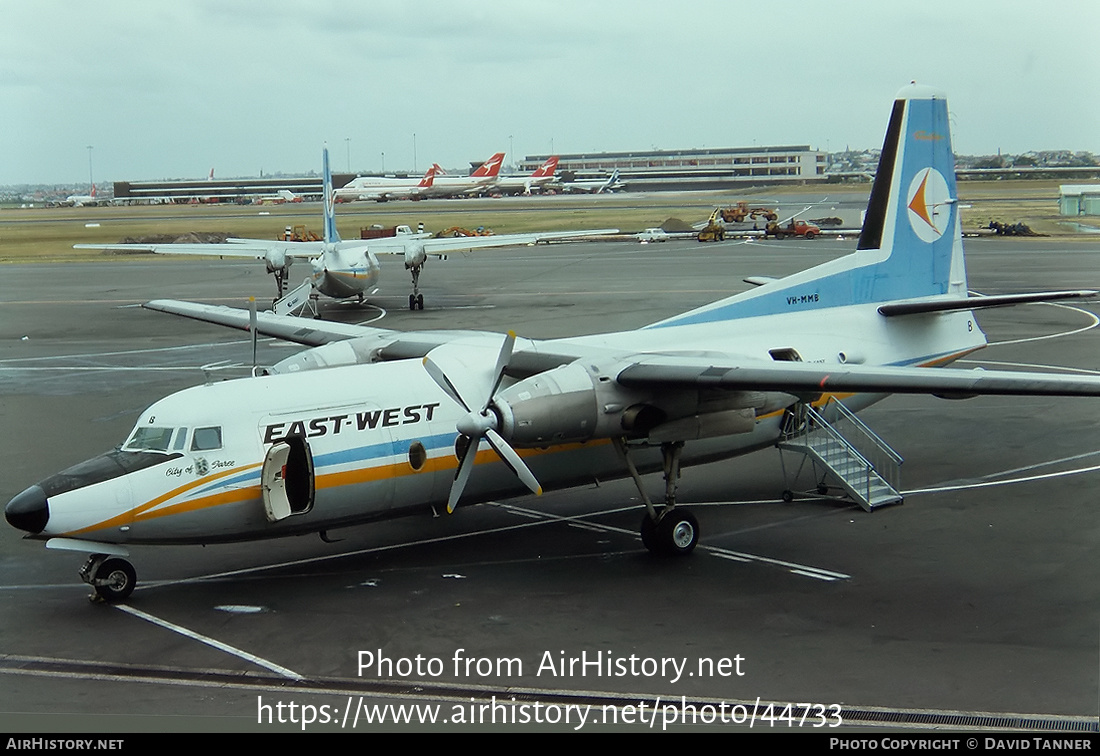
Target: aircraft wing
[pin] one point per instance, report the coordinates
(298, 330)
(672, 372)
(254, 249)
(460, 243)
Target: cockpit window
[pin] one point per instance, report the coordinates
(148, 438)
(206, 439)
(181, 439)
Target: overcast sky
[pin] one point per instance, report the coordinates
(173, 89)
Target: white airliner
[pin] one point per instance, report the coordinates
(481, 180)
(345, 269)
(593, 186)
(385, 188)
(80, 200)
(527, 183)
(374, 423)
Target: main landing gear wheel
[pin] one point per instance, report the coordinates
(115, 580)
(675, 534)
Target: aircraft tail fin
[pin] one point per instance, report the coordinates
(491, 167)
(546, 169)
(429, 178)
(331, 235)
(910, 246)
(912, 214)
(611, 180)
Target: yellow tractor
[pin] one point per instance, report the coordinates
(715, 229)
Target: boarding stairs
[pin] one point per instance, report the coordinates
(845, 455)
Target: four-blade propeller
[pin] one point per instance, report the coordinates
(481, 423)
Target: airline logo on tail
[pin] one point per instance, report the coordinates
(491, 167)
(547, 168)
(929, 210)
(429, 177)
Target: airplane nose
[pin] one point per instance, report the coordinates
(29, 510)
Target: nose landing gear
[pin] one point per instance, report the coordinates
(112, 578)
(416, 299)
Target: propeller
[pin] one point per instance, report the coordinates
(481, 423)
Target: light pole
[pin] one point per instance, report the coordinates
(347, 142)
(91, 179)
(414, 152)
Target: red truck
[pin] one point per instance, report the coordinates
(794, 228)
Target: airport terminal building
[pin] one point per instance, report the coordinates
(693, 169)
(220, 190)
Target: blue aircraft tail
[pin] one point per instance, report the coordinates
(329, 201)
(911, 242)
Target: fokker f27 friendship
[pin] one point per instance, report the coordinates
(385, 423)
(346, 269)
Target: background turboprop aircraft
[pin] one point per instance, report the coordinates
(377, 423)
(345, 269)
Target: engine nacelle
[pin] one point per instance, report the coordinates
(415, 255)
(581, 401)
(568, 404)
(276, 260)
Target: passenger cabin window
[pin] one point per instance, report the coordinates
(148, 438)
(207, 439)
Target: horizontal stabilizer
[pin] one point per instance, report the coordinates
(975, 303)
(759, 280)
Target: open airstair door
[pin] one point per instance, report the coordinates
(287, 479)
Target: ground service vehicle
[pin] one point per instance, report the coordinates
(715, 230)
(794, 228)
(653, 235)
(739, 212)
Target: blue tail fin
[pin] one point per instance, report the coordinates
(331, 235)
(911, 242)
(913, 210)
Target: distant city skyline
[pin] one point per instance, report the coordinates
(172, 90)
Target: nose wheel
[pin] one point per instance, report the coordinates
(416, 302)
(112, 578)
